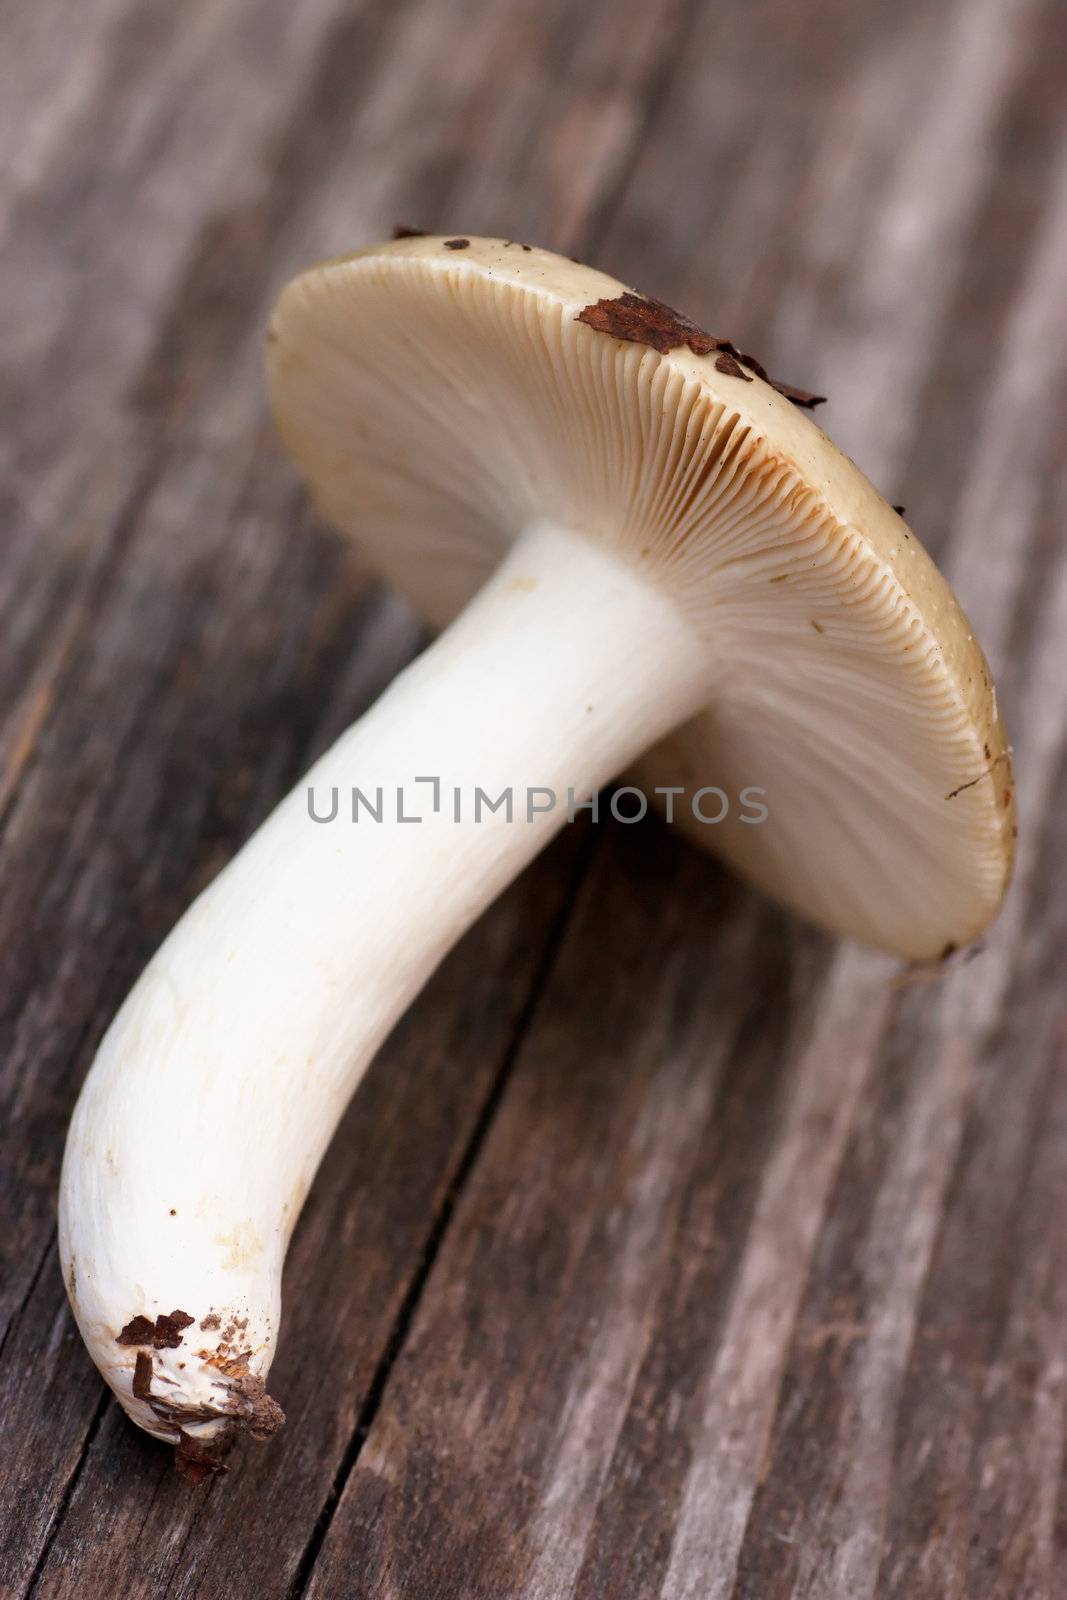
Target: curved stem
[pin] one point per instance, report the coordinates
(218, 1086)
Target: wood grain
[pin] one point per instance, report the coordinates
(668, 1249)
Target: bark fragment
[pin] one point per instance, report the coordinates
(639, 319)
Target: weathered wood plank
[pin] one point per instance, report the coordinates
(745, 1264)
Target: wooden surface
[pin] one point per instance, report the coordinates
(669, 1249)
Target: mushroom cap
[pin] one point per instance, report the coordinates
(442, 394)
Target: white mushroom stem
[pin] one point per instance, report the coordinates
(221, 1080)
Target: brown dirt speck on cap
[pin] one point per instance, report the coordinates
(899, 510)
(643, 321)
(400, 232)
(733, 369)
(142, 1375)
(212, 1320)
(457, 244)
(799, 397)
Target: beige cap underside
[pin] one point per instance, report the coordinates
(441, 398)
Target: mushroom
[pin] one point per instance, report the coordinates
(638, 547)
